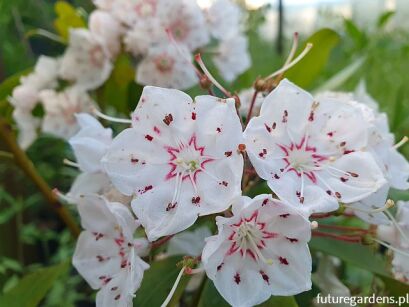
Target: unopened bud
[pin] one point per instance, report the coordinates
(260, 85)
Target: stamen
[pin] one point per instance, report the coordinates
(257, 250)
(402, 142)
(202, 65)
(62, 196)
(71, 163)
(314, 225)
(180, 51)
(294, 62)
(293, 49)
(110, 118)
(396, 224)
(389, 204)
(174, 287)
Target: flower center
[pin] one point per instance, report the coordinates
(97, 56)
(187, 160)
(302, 159)
(147, 8)
(179, 30)
(249, 237)
(164, 63)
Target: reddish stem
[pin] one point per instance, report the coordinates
(160, 242)
(345, 238)
(321, 215)
(343, 228)
(253, 101)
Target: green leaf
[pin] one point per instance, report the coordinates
(309, 68)
(158, 281)
(211, 297)
(32, 288)
(355, 34)
(278, 301)
(67, 17)
(384, 18)
(355, 254)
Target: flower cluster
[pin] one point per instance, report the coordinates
(159, 35)
(183, 158)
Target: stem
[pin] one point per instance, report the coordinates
(345, 238)
(320, 215)
(252, 103)
(160, 242)
(28, 168)
(343, 228)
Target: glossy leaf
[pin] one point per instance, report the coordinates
(33, 287)
(352, 253)
(158, 281)
(309, 68)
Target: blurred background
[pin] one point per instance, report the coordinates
(372, 46)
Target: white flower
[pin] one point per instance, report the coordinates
(89, 183)
(245, 101)
(44, 76)
(107, 29)
(185, 21)
(261, 251)
(223, 19)
(143, 36)
(27, 127)
(298, 144)
(188, 243)
(399, 239)
(25, 97)
(90, 143)
(232, 57)
(380, 140)
(381, 144)
(104, 4)
(180, 158)
(136, 12)
(45, 73)
(60, 109)
(107, 255)
(86, 60)
(167, 66)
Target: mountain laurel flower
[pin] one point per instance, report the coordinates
(180, 159)
(299, 144)
(381, 144)
(27, 127)
(223, 19)
(60, 109)
(167, 66)
(397, 235)
(104, 26)
(107, 255)
(90, 143)
(232, 57)
(45, 73)
(260, 251)
(86, 61)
